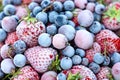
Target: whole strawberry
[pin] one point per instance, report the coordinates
(104, 73)
(80, 72)
(26, 73)
(29, 29)
(108, 41)
(40, 58)
(111, 18)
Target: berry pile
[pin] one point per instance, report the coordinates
(59, 40)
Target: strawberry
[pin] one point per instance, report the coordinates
(11, 38)
(91, 52)
(26, 73)
(74, 19)
(29, 29)
(104, 73)
(111, 18)
(40, 58)
(80, 72)
(108, 41)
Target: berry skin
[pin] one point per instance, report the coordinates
(29, 32)
(11, 38)
(90, 6)
(81, 3)
(40, 58)
(76, 59)
(45, 3)
(85, 61)
(51, 29)
(1, 74)
(16, 2)
(6, 51)
(62, 41)
(32, 5)
(9, 10)
(68, 31)
(66, 63)
(115, 57)
(83, 42)
(44, 40)
(36, 10)
(98, 58)
(16, 17)
(42, 16)
(68, 51)
(70, 22)
(69, 5)
(7, 66)
(99, 8)
(19, 46)
(80, 52)
(61, 20)
(94, 67)
(85, 14)
(27, 72)
(52, 16)
(57, 6)
(95, 27)
(50, 75)
(97, 17)
(9, 24)
(19, 60)
(106, 61)
(3, 35)
(69, 14)
(116, 71)
(6, 2)
(2, 15)
(61, 76)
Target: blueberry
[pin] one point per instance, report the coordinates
(19, 60)
(94, 67)
(68, 31)
(9, 10)
(36, 10)
(68, 51)
(1, 74)
(19, 46)
(85, 61)
(115, 57)
(97, 17)
(76, 59)
(44, 40)
(66, 63)
(42, 16)
(98, 58)
(100, 8)
(51, 29)
(45, 3)
(2, 15)
(16, 2)
(106, 61)
(95, 27)
(52, 16)
(61, 20)
(6, 2)
(69, 5)
(57, 6)
(80, 52)
(103, 27)
(70, 22)
(32, 5)
(69, 14)
(3, 35)
(61, 76)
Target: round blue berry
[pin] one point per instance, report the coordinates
(44, 40)
(57, 6)
(66, 63)
(3, 35)
(19, 60)
(100, 8)
(61, 76)
(52, 16)
(69, 5)
(32, 5)
(45, 3)
(51, 29)
(69, 14)
(106, 61)
(16, 2)
(115, 57)
(76, 59)
(36, 10)
(98, 58)
(94, 67)
(85, 61)
(70, 22)
(2, 15)
(80, 52)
